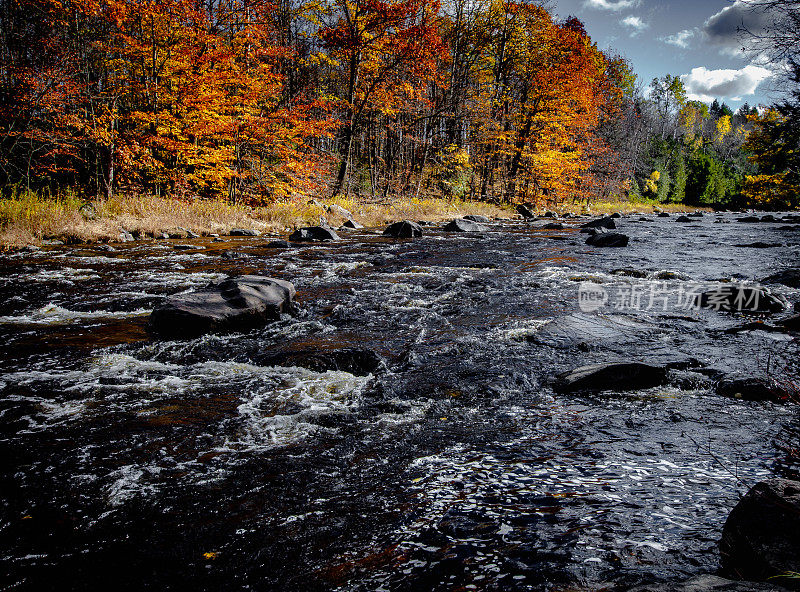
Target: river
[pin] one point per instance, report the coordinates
(133, 463)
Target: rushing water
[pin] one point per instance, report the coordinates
(137, 464)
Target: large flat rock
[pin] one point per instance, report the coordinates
(235, 304)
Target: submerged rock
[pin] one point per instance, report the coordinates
(759, 245)
(605, 222)
(404, 229)
(553, 226)
(761, 537)
(630, 272)
(663, 215)
(683, 219)
(749, 219)
(313, 234)
(239, 303)
(740, 298)
(787, 277)
(357, 361)
(463, 225)
(611, 239)
(278, 244)
(624, 376)
(791, 323)
(708, 583)
(751, 389)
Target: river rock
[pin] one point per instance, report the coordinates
(357, 361)
(126, 237)
(313, 234)
(553, 226)
(615, 215)
(751, 389)
(352, 225)
(663, 215)
(683, 219)
(739, 298)
(749, 219)
(769, 218)
(404, 229)
(695, 215)
(605, 222)
(761, 537)
(463, 225)
(278, 244)
(525, 212)
(624, 376)
(243, 232)
(610, 239)
(238, 303)
(708, 583)
(477, 218)
(787, 277)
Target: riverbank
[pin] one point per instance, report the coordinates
(30, 220)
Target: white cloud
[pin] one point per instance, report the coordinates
(635, 23)
(681, 38)
(706, 85)
(611, 4)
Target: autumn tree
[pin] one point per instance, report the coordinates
(388, 52)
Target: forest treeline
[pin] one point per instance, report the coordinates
(253, 101)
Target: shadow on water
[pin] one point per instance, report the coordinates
(399, 432)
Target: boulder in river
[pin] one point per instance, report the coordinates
(477, 218)
(553, 226)
(605, 222)
(313, 234)
(683, 219)
(708, 583)
(740, 298)
(525, 212)
(788, 277)
(404, 229)
(663, 215)
(237, 303)
(761, 537)
(623, 376)
(463, 225)
(751, 389)
(749, 219)
(607, 239)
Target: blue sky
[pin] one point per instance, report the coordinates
(695, 39)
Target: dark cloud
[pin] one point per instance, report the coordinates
(726, 28)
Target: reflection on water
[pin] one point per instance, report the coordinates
(452, 466)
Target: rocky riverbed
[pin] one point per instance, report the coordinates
(493, 405)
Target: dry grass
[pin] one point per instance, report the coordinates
(26, 218)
